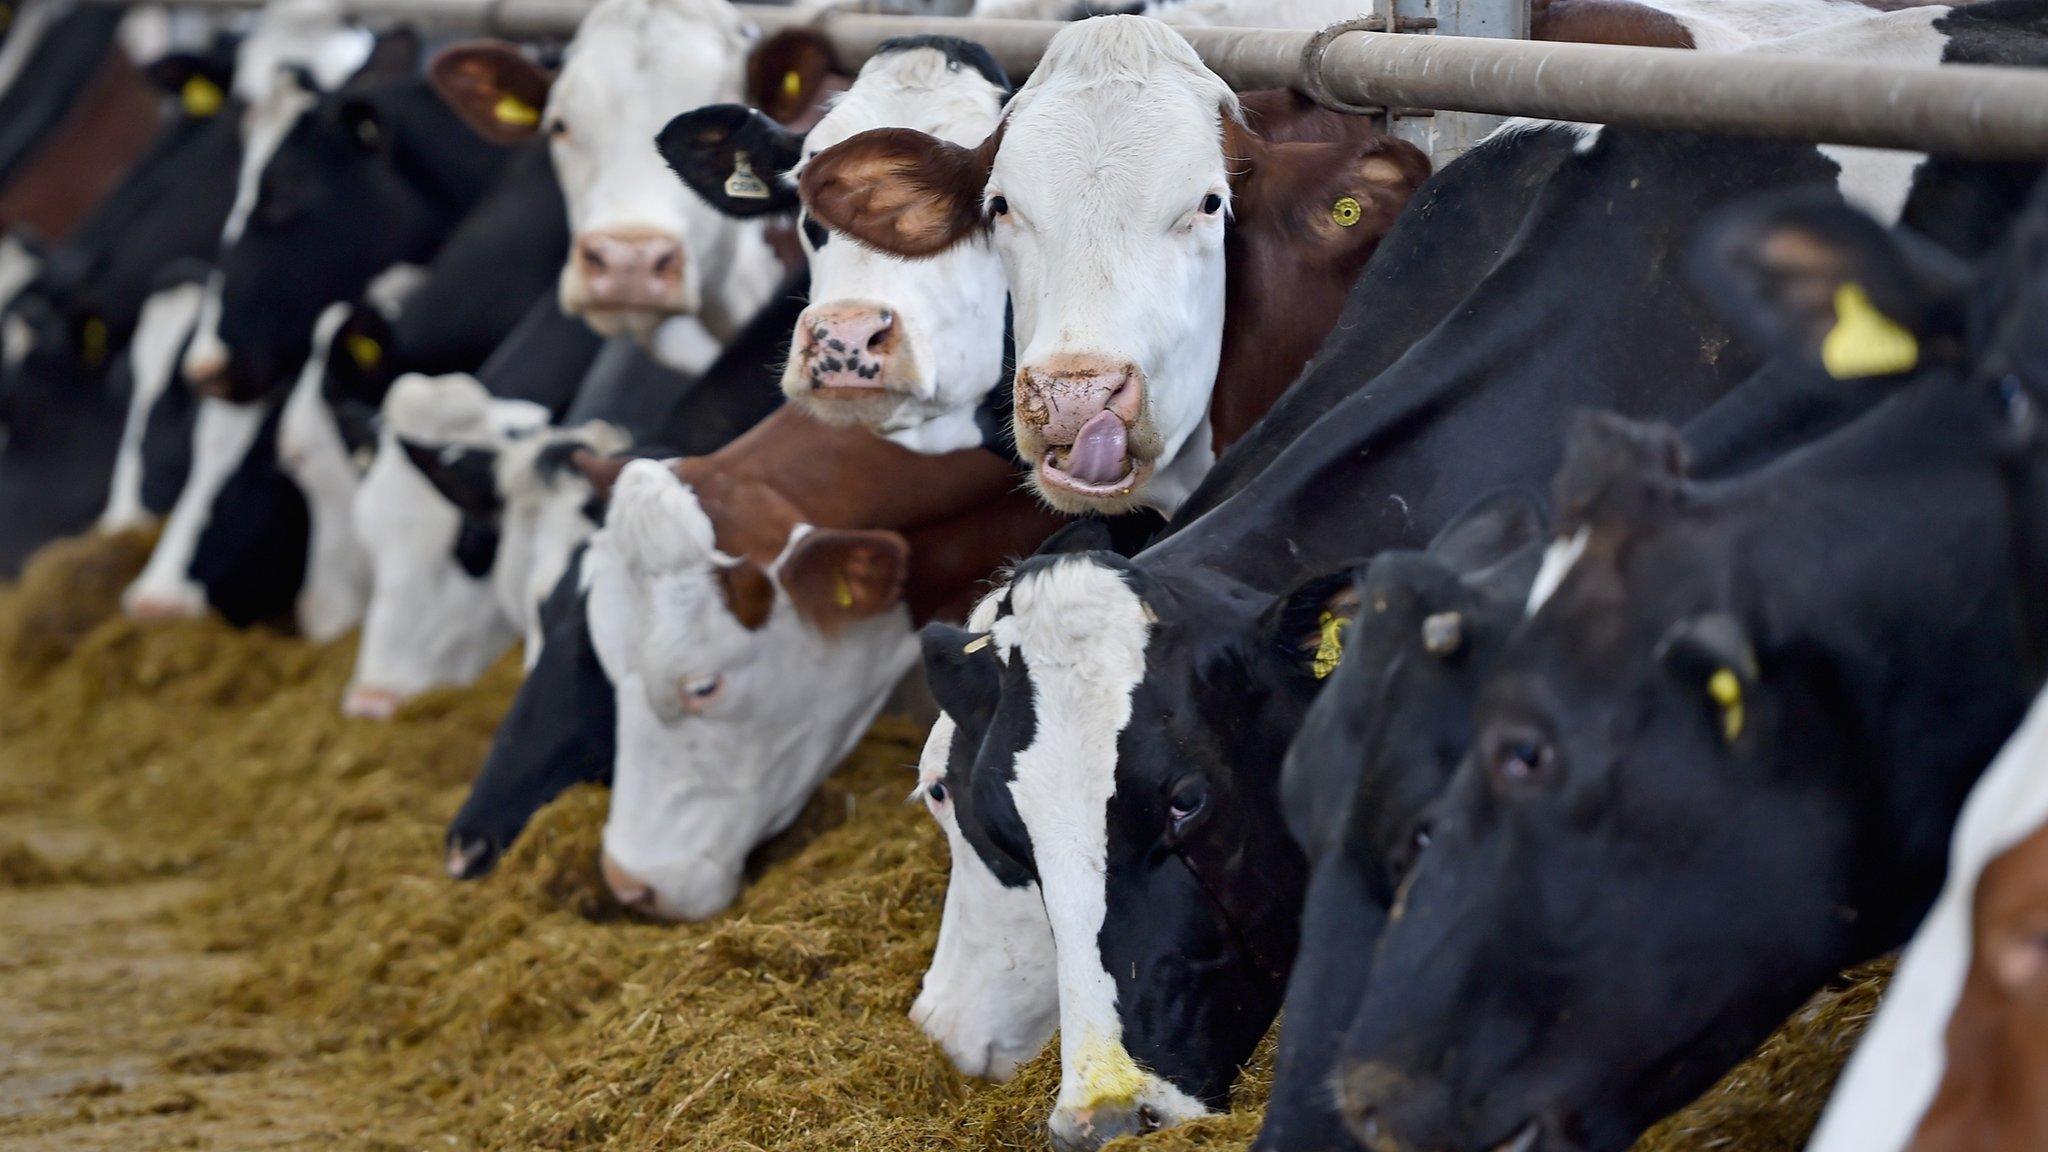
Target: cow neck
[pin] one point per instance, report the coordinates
(792, 469)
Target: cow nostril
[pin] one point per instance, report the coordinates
(664, 263)
(592, 257)
(880, 337)
(1148, 1119)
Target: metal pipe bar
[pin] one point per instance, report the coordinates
(1960, 110)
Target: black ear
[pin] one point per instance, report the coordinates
(1713, 651)
(1488, 531)
(1617, 469)
(1802, 274)
(200, 81)
(466, 477)
(1307, 626)
(1086, 535)
(963, 671)
(734, 157)
(395, 55)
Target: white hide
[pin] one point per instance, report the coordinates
(949, 309)
(633, 65)
(1111, 148)
(1884, 1092)
(723, 733)
(1081, 632)
(160, 330)
(429, 623)
(543, 522)
(18, 266)
(311, 451)
(991, 997)
(222, 434)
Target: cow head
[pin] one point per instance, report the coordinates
(313, 451)
(1105, 190)
(433, 619)
(642, 249)
(713, 645)
(908, 350)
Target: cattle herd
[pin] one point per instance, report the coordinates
(1532, 623)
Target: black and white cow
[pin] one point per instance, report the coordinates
(1738, 721)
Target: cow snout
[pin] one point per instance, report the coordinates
(470, 856)
(635, 271)
(1385, 1109)
(1080, 411)
(629, 890)
(157, 608)
(1086, 1129)
(207, 374)
(847, 345)
(369, 703)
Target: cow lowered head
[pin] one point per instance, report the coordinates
(642, 248)
(717, 613)
(909, 350)
(1720, 759)
(1105, 191)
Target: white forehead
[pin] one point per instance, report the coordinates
(670, 556)
(1080, 627)
(916, 88)
(307, 34)
(661, 53)
(1120, 113)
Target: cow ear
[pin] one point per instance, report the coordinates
(602, 472)
(1343, 194)
(496, 90)
(1803, 274)
(748, 593)
(465, 477)
(1488, 531)
(1714, 653)
(394, 55)
(899, 190)
(786, 75)
(1307, 626)
(837, 576)
(962, 670)
(1085, 535)
(734, 157)
(199, 81)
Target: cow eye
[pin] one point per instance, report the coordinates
(1520, 760)
(1212, 204)
(558, 128)
(937, 792)
(1188, 799)
(699, 693)
(998, 206)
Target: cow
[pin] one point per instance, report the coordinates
(879, 336)
(753, 609)
(1105, 190)
(1778, 746)
(642, 248)
(161, 329)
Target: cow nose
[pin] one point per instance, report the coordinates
(628, 889)
(161, 608)
(470, 856)
(631, 270)
(1378, 1102)
(1086, 1129)
(366, 703)
(847, 345)
(1061, 394)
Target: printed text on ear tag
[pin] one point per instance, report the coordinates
(743, 184)
(1329, 645)
(1864, 341)
(200, 98)
(516, 112)
(1725, 687)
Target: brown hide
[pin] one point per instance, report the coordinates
(1606, 22)
(86, 154)
(961, 513)
(1289, 260)
(1994, 1091)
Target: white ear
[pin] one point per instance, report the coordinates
(656, 523)
(438, 409)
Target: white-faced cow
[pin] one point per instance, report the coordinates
(643, 249)
(908, 350)
(1105, 190)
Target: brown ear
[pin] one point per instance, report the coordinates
(1334, 192)
(601, 471)
(496, 90)
(900, 190)
(836, 576)
(786, 76)
(748, 592)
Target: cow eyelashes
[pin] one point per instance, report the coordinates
(699, 693)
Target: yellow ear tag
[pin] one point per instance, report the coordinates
(842, 593)
(743, 184)
(512, 110)
(977, 644)
(1864, 341)
(366, 352)
(1330, 648)
(201, 98)
(792, 84)
(1346, 212)
(92, 341)
(1725, 687)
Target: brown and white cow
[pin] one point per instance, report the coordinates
(1105, 189)
(753, 608)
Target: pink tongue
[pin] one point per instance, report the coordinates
(1097, 456)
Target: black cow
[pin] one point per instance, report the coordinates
(1721, 758)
